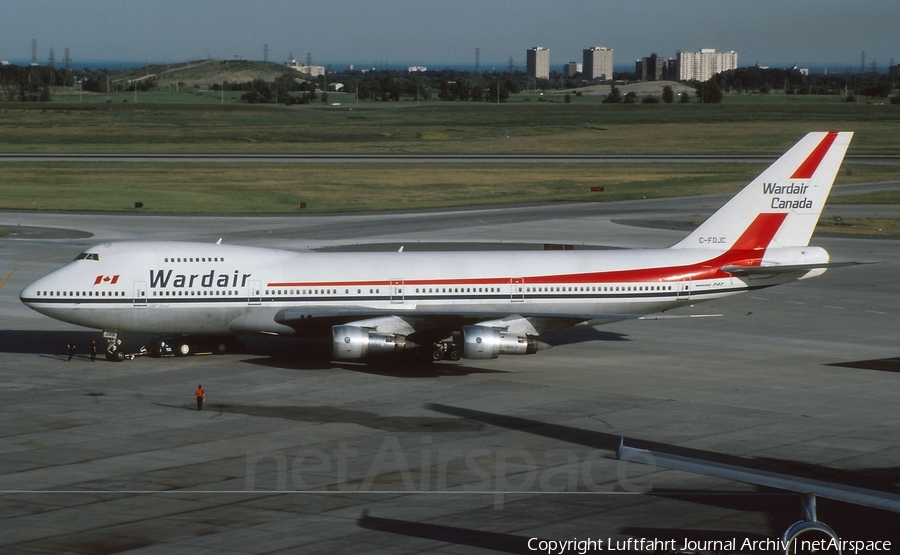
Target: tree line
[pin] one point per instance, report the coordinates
(33, 84)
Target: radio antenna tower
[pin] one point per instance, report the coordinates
(862, 62)
(68, 60)
(266, 53)
(52, 61)
(477, 60)
(510, 65)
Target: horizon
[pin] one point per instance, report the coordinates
(812, 33)
(486, 66)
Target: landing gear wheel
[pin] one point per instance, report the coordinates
(113, 346)
(437, 354)
(454, 354)
(184, 349)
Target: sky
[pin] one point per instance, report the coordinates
(778, 33)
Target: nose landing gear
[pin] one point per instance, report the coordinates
(114, 352)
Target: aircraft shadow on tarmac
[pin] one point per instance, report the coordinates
(848, 520)
(333, 415)
(50, 343)
(879, 364)
(311, 354)
(388, 368)
(580, 334)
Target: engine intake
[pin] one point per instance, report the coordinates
(354, 342)
(482, 342)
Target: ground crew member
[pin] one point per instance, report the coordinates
(200, 397)
(93, 351)
(71, 349)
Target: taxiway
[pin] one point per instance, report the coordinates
(293, 453)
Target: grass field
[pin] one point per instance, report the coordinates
(200, 125)
(196, 121)
(882, 227)
(282, 188)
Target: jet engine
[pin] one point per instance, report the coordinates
(354, 342)
(482, 342)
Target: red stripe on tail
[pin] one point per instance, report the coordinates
(809, 166)
(759, 234)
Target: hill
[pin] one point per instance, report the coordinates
(203, 73)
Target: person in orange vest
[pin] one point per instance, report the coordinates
(200, 397)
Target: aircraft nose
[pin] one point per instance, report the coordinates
(28, 294)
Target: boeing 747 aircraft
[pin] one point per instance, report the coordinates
(447, 305)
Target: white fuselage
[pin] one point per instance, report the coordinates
(204, 288)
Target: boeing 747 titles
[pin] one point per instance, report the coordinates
(447, 304)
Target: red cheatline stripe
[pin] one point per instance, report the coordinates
(809, 166)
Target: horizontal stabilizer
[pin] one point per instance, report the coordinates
(677, 316)
(737, 270)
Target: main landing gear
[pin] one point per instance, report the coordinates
(445, 350)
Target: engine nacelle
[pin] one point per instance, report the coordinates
(481, 342)
(354, 342)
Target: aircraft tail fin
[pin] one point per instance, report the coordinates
(781, 207)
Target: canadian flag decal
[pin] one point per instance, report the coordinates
(107, 280)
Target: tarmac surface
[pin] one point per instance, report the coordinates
(295, 454)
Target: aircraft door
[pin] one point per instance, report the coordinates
(254, 293)
(684, 289)
(517, 289)
(140, 293)
(397, 291)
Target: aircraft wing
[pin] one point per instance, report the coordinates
(318, 320)
(849, 494)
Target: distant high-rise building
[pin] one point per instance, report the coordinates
(701, 66)
(598, 63)
(571, 69)
(538, 63)
(650, 68)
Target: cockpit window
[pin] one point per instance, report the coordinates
(88, 256)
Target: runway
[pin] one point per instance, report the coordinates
(293, 453)
(881, 160)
